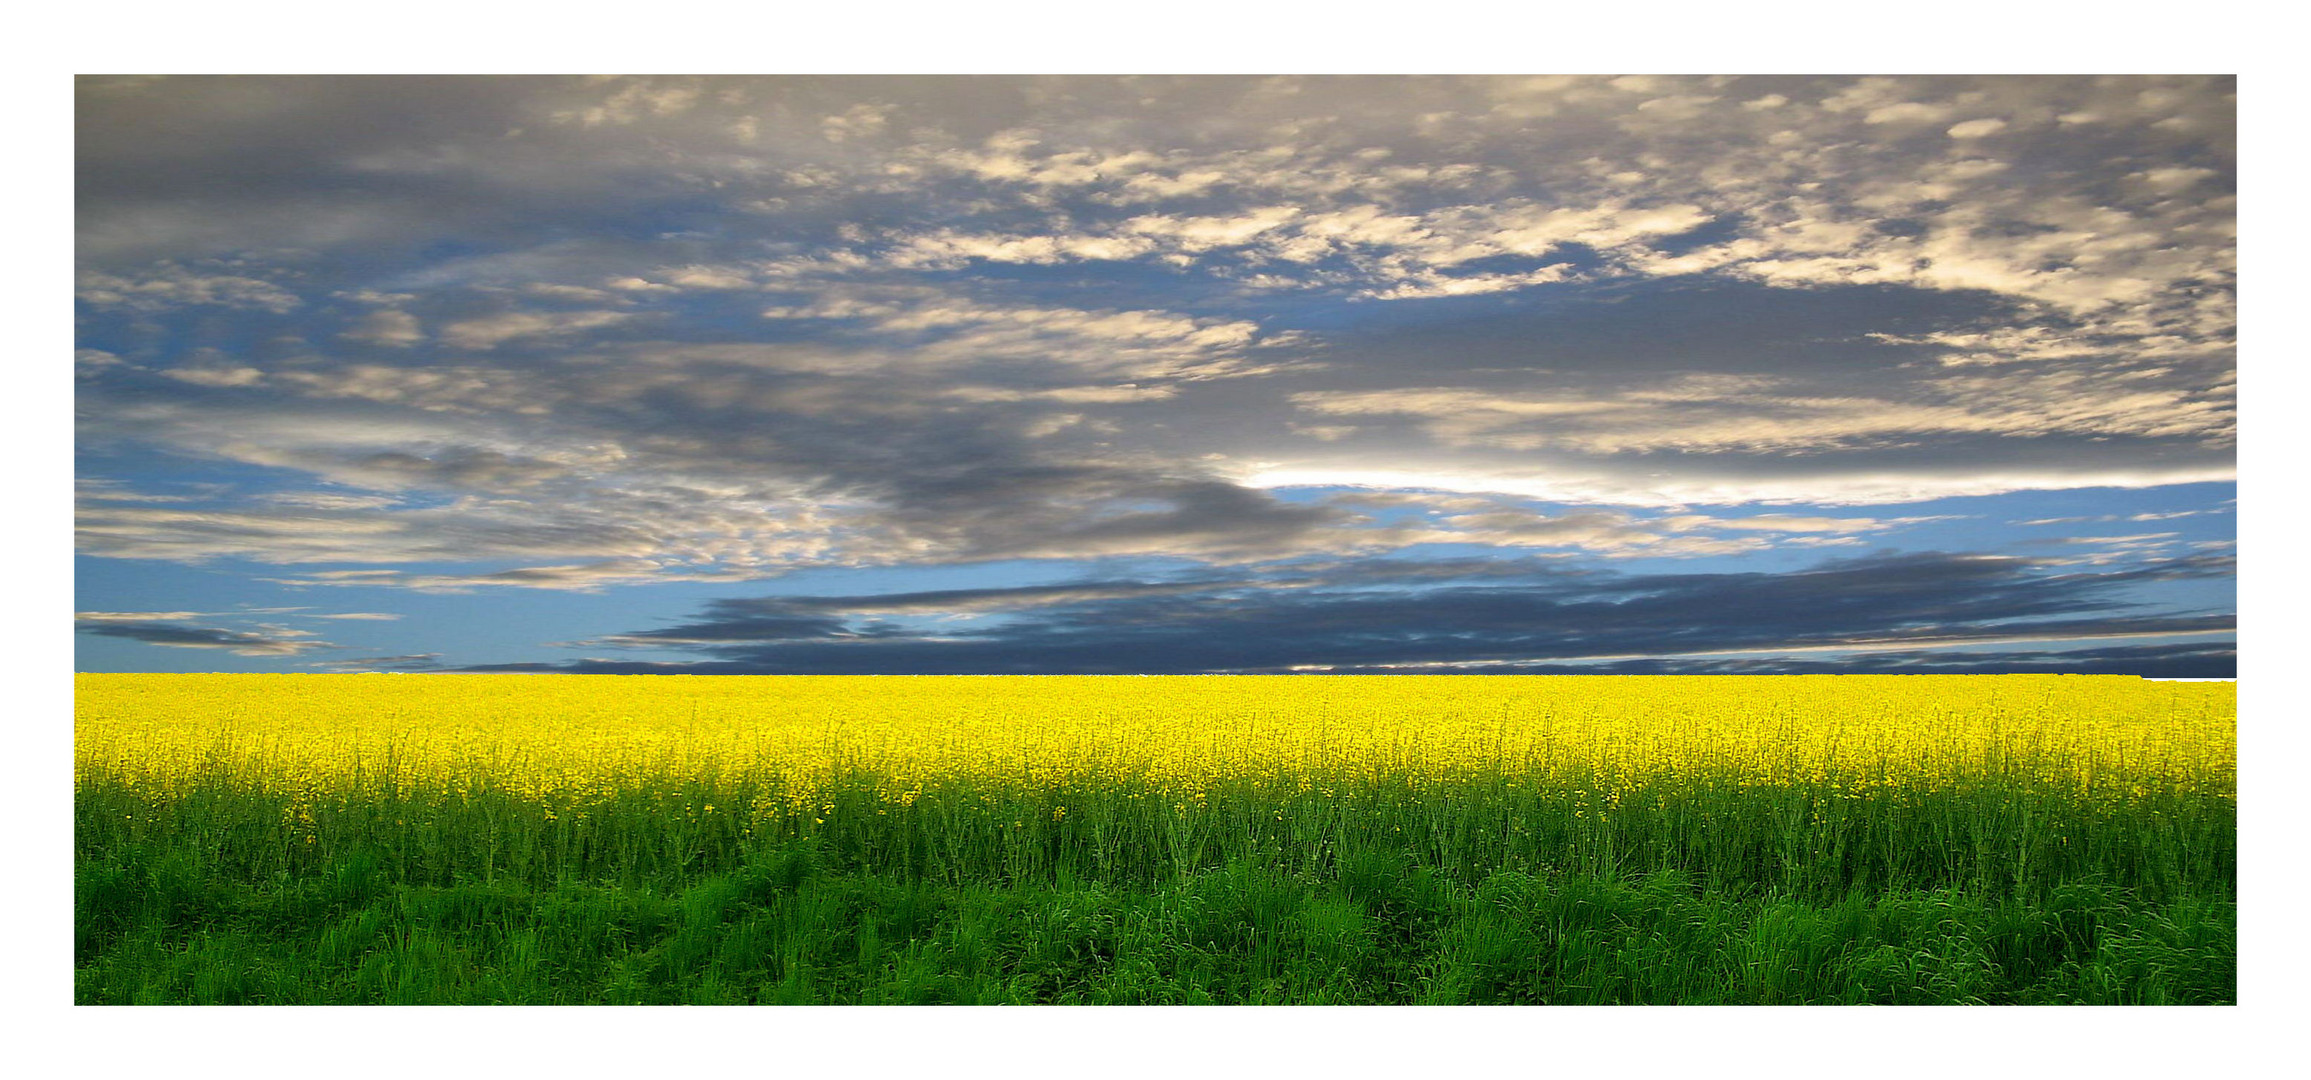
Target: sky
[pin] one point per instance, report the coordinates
(991, 374)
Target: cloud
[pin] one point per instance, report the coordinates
(297, 535)
(1157, 153)
(575, 334)
(1429, 284)
(916, 329)
(1373, 614)
(395, 328)
(2197, 660)
(329, 500)
(1713, 414)
(166, 286)
(2134, 539)
(489, 331)
(633, 99)
(266, 641)
(236, 376)
(405, 662)
(575, 577)
(1794, 523)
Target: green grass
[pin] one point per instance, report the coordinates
(1476, 893)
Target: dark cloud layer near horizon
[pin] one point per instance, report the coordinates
(611, 345)
(1491, 617)
(273, 641)
(2186, 661)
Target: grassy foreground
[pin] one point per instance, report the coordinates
(1994, 870)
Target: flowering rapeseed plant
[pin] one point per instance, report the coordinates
(571, 741)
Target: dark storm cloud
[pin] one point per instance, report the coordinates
(2215, 660)
(1371, 617)
(736, 626)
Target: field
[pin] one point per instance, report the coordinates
(1294, 839)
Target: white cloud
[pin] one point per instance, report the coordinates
(2174, 180)
(916, 328)
(1786, 523)
(490, 331)
(1907, 112)
(167, 286)
(1204, 233)
(445, 389)
(1433, 284)
(87, 363)
(388, 327)
(574, 577)
(858, 121)
(1719, 414)
(634, 100)
(217, 376)
(330, 500)
(1601, 484)
(707, 277)
(947, 248)
(2136, 539)
(1078, 395)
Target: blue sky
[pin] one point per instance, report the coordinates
(1101, 374)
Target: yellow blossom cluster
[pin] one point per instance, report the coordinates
(570, 740)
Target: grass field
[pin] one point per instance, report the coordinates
(1457, 839)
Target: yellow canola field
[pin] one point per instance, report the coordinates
(573, 739)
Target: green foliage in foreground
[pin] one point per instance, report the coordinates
(1478, 894)
(785, 932)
